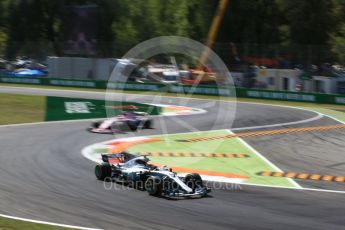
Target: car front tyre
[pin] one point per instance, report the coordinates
(153, 186)
(193, 181)
(147, 124)
(96, 124)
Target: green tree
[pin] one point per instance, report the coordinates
(25, 27)
(52, 23)
(3, 34)
(200, 13)
(142, 20)
(35, 27)
(107, 14)
(337, 37)
(337, 43)
(307, 22)
(247, 21)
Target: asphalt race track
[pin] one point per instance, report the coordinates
(45, 177)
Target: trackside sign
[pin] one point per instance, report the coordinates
(281, 96)
(340, 100)
(62, 108)
(202, 90)
(78, 107)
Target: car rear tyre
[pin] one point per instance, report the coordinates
(103, 171)
(153, 186)
(96, 124)
(120, 127)
(193, 181)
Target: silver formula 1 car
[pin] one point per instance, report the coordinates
(128, 121)
(157, 181)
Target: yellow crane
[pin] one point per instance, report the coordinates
(212, 34)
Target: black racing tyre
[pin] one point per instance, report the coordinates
(120, 126)
(154, 185)
(103, 171)
(96, 124)
(147, 124)
(133, 125)
(193, 181)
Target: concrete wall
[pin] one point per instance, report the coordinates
(328, 84)
(308, 86)
(274, 78)
(80, 68)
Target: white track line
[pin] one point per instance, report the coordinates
(265, 160)
(101, 93)
(47, 223)
(319, 116)
(87, 153)
(291, 188)
(342, 122)
(147, 95)
(88, 150)
(48, 122)
(198, 111)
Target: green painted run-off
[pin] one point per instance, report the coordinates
(248, 166)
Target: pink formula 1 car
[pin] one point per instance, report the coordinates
(126, 122)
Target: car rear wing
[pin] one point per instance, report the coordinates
(116, 158)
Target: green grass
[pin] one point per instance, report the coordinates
(21, 108)
(333, 113)
(241, 166)
(9, 224)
